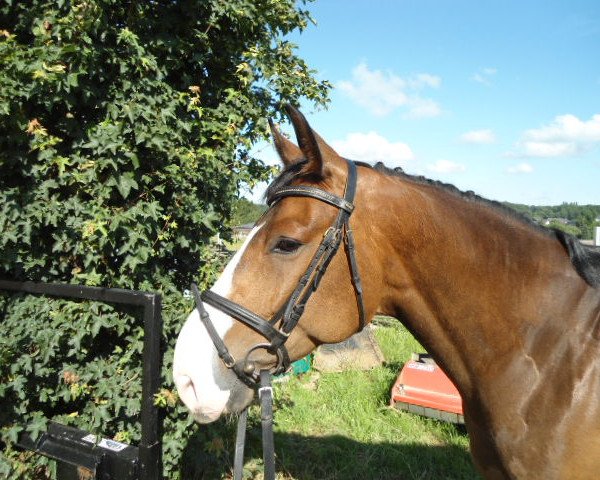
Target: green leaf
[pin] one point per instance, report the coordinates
(125, 183)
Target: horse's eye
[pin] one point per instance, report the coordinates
(286, 245)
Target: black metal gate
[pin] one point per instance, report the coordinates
(80, 454)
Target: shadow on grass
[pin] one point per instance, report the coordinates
(329, 457)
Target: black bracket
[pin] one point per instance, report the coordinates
(81, 455)
(76, 454)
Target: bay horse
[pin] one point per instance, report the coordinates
(509, 310)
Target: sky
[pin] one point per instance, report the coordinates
(498, 97)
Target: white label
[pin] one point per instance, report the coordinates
(105, 443)
(89, 438)
(421, 366)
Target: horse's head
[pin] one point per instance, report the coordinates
(264, 277)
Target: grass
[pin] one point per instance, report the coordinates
(339, 426)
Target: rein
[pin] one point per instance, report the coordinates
(288, 315)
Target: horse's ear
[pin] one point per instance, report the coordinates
(306, 141)
(289, 153)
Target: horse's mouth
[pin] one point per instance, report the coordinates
(235, 405)
(239, 397)
(202, 411)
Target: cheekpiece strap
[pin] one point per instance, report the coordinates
(210, 328)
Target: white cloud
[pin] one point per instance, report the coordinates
(446, 166)
(423, 108)
(567, 135)
(478, 137)
(425, 79)
(372, 147)
(484, 75)
(549, 149)
(383, 92)
(520, 168)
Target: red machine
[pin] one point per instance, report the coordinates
(423, 388)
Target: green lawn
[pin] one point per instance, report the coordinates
(339, 426)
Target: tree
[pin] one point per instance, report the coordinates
(570, 229)
(581, 218)
(246, 212)
(125, 130)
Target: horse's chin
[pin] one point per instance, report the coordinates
(204, 417)
(239, 399)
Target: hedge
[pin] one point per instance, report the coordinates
(125, 136)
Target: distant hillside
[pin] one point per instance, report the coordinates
(244, 212)
(578, 220)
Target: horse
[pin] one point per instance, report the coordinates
(509, 310)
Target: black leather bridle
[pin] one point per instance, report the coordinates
(291, 311)
(288, 315)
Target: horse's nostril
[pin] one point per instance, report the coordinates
(186, 390)
(183, 381)
(205, 408)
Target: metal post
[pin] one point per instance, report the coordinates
(150, 446)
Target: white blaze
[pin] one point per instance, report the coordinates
(196, 361)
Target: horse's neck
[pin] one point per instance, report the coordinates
(466, 278)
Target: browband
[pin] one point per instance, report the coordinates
(306, 191)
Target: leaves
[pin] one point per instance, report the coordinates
(124, 143)
(125, 183)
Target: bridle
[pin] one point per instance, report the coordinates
(288, 315)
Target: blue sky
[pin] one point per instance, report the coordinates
(502, 97)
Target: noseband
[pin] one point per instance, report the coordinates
(291, 311)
